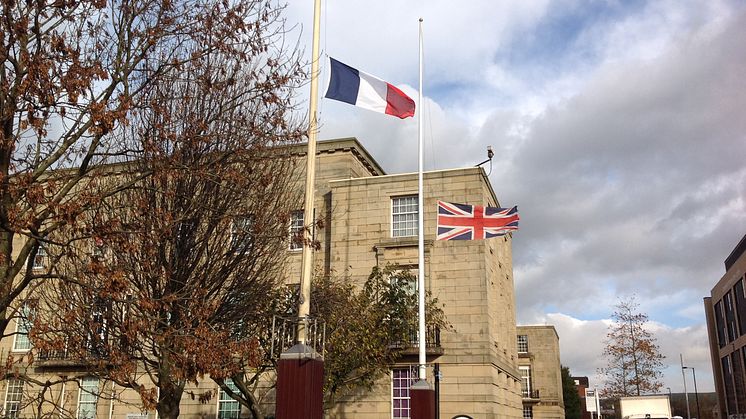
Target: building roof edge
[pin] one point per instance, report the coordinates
(736, 253)
(343, 144)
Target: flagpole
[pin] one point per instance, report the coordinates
(304, 304)
(300, 368)
(421, 227)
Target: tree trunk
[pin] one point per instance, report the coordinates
(6, 282)
(170, 390)
(7, 145)
(169, 398)
(254, 408)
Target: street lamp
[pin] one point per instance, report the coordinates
(686, 394)
(696, 395)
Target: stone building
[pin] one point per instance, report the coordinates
(370, 220)
(725, 311)
(541, 377)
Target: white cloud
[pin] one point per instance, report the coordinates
(582, 344)
(618, 131)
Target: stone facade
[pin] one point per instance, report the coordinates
(472, 279)
(479, 373)
(539, 363)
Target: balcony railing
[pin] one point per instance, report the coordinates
(285, 334)
(432, 339)
(410, 345)
(63, 357)
(530, 394)
(54, 355)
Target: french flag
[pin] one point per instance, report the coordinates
(352, 86)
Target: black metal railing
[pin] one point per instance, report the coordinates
(530, 394)
(412, 339)
(53, 355)
(66, 355)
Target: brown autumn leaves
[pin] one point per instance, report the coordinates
(145, 194)
(143, 200)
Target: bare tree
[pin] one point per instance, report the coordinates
(633, 359)
(183, 260)
(73, 75)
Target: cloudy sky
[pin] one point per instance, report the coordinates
(619, 130)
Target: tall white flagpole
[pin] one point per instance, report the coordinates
(421, 229)
(307, 258)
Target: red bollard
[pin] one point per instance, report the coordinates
(300, 382)
(422, 400)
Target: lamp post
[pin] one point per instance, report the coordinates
(696, 394)
(686, 394)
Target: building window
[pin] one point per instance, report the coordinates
(87, 398)
(241, 237)
(730, 316)
(738, 381)
(404, 216)
(730, 395)
(402, 380)
(522, 344)
(528, 412)
(13, 396)
(296, 230)
(40, 260)
(98, 249)
(23, 327)
(405, 282)
(740, 298)
(228, 407)
(525, 380)
(98, 328)
(720, 323)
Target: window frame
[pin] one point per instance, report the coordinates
(23, 320)
(224, 400)
(97, 336)
(722, 333)
(522, 344)
(739, 299)
(297, 224)
(15, 384)
(87, 390)
(403, 392)
(527, 381)
(242, 242)
(396, 225)
(412, 285)
(98, 249)
(527, 408)
(40, 259)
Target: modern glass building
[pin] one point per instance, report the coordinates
(725, 310)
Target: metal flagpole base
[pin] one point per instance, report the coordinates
(422, 400)
(300, 382)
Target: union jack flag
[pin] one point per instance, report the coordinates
(474, 222)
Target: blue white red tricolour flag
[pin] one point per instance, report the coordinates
(474, 222)
(352, 86)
